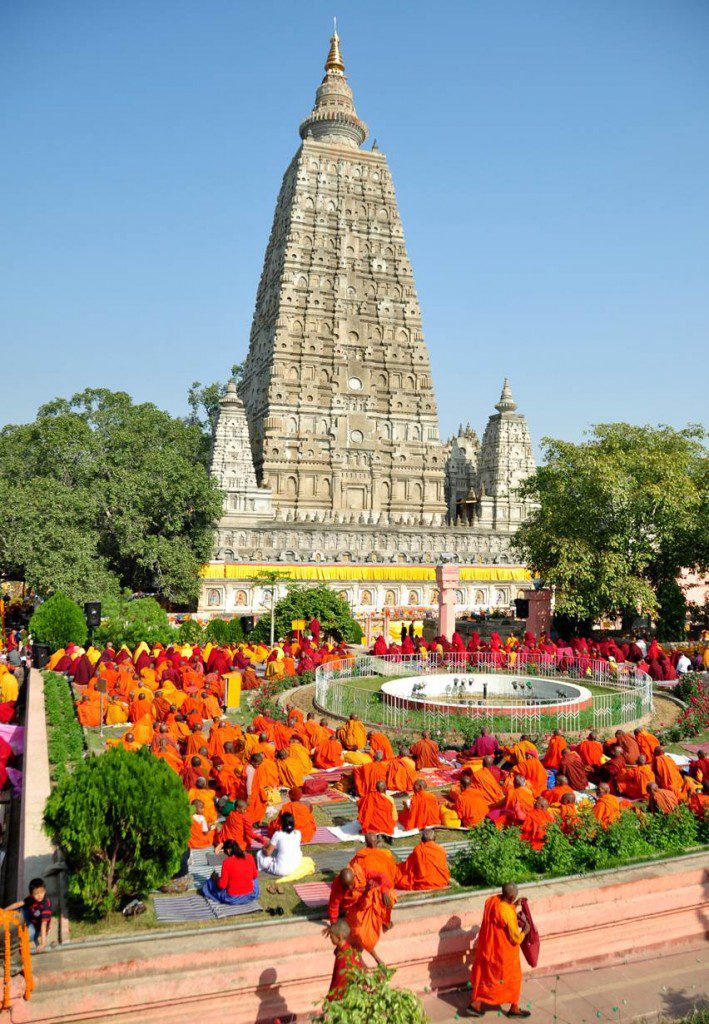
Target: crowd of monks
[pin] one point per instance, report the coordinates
(581, 653)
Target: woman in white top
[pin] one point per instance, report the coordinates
(283, 854)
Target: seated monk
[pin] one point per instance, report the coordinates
(127, 741)
(88, 712)
(197, 767)
(425, 753)
(366, 776)
(352, 735)
(590, 751)
(606, 809)
(661, 800)
(201, 835)
(519, 750)
(698, 801)
(647, 743)
(373, 858)
(378, 741)
(196, 740)
(562, 788)
(634, 780)
(164, 752)
(535, 824)
(207, 797)
(487, 780)
(667, 774)
(116, 713)
(628, 744)
(302, 815)
(534, 772)
(266, 747)
(518, 799)
(225, 779)
(471, 805)
(422, 810)
(612, 769)
(569, 820)
(238, 827)
(557, 745)
(328, 754)
(300, 753)
(289, 771)
(425, 868)
(377, 812)
(255, 788)
(572, 767)
(401, 773)
(699, 766)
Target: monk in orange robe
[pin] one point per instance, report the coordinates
(567, 811)
(647, 742)
(345, 891)
(535, 824)
(266, 747)
(219, 734)
(375, 859)
(426, 867)
(496, 977)
(557, 744)
(520, 749)
(166, 753)
(289, 771)
(606, 809)
(634, 779)
(426, 753)
(312, 731)
(366, 776)
(534, 772)
(255, 785)
(302, 814)
(201, 835)
(328, 754)
(239, 828)
(562, 788)
(423, 809)
(207, 797)
(127, 741)
(471, 805)
(484, 780)
(401, 773)
(352, 735)
(667, 774)
(662, 800)
(378, 741)
(377, 812)
(139, 707)
(518, 799)
(295, 716)
(88, 712)
(370, 915)
(210, 706)
(196, 740)
(590, 751)
(301, 755)
(698, 802)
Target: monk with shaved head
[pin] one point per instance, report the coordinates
(496, 977)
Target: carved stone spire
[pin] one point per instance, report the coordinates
(507, 402)
(334, 118)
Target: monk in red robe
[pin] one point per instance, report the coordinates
(426, 867)
(347, 958)
(376, 811)
(423, 809)
(535, 824)
(496, 977)
(572, 767)
(426, 753)
(698, 802)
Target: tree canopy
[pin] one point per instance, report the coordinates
(617, 517)
(327, 606)
(59, 622)
(99, 494)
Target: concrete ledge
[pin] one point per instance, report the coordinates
(36, 853)
(253, 974)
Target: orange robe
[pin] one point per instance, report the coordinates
(196, 741)
(328, 755)
(552, 758)
(471, 806)
(376, 813)
(375, 862)
(426, 867)
(606, 809)
(535, 773)
(496, 977)
(553, 796)
(520, 750)
(257, 801)
(423, 810)
(517, 801)
(426, 754)
(665, 801)
(207, 797)
(353, 734)
(301, 755)
(369, 915)
(485, 781)
(668, 774)
(698, 803)
(535, 825)
(199, 840)
(401, 775)
(590, 752)
(88, 713)
(634, 780)
(379, 741)
(304, 820)
(568, 816)
(237, 827)
(648, 744)
(290, 773)
(366, 776)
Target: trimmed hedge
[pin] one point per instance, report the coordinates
(65, 736)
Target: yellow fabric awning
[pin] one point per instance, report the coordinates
(348, 572)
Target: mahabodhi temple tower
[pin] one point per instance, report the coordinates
(329, 450)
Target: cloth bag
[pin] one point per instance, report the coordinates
(531, 943)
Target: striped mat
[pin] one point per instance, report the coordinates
(197, 908)
(330, 796)
(322, 835)
(313, 894)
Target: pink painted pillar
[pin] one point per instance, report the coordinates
(539, 618)
(447, 578)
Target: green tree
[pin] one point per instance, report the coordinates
(59, 621)
(617, 517)
(134, 621)
(190, 632)
(122, 821)
(204, 399)
(369, 998)
(99, 494)
(320, 602)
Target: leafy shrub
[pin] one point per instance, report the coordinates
(557, 856)
(672, 832)
(217, 631)
(492, 857)
(695, 717)
(320, 602)
(122, 821)
(134, 621)
(234, 632)
(65, 737)
(370, 999)
(59, 622)
(190, 632)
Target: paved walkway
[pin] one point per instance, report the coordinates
(667, 985)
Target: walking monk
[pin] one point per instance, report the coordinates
(497, 972)
(426, 867)
(426, 753)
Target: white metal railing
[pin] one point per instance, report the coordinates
(336, 691)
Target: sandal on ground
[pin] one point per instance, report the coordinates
(470, 1011)
(275, 890)
(519, 1013)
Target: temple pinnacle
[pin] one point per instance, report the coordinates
(507, 402)
(334, 60)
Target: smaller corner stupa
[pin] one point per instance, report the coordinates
(233, 467)
(506, 460)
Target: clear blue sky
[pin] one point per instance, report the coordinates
(551, 161)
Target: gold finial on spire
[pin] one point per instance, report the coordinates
(334, 60)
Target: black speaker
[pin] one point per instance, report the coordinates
(92, 612)
(521, 608)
